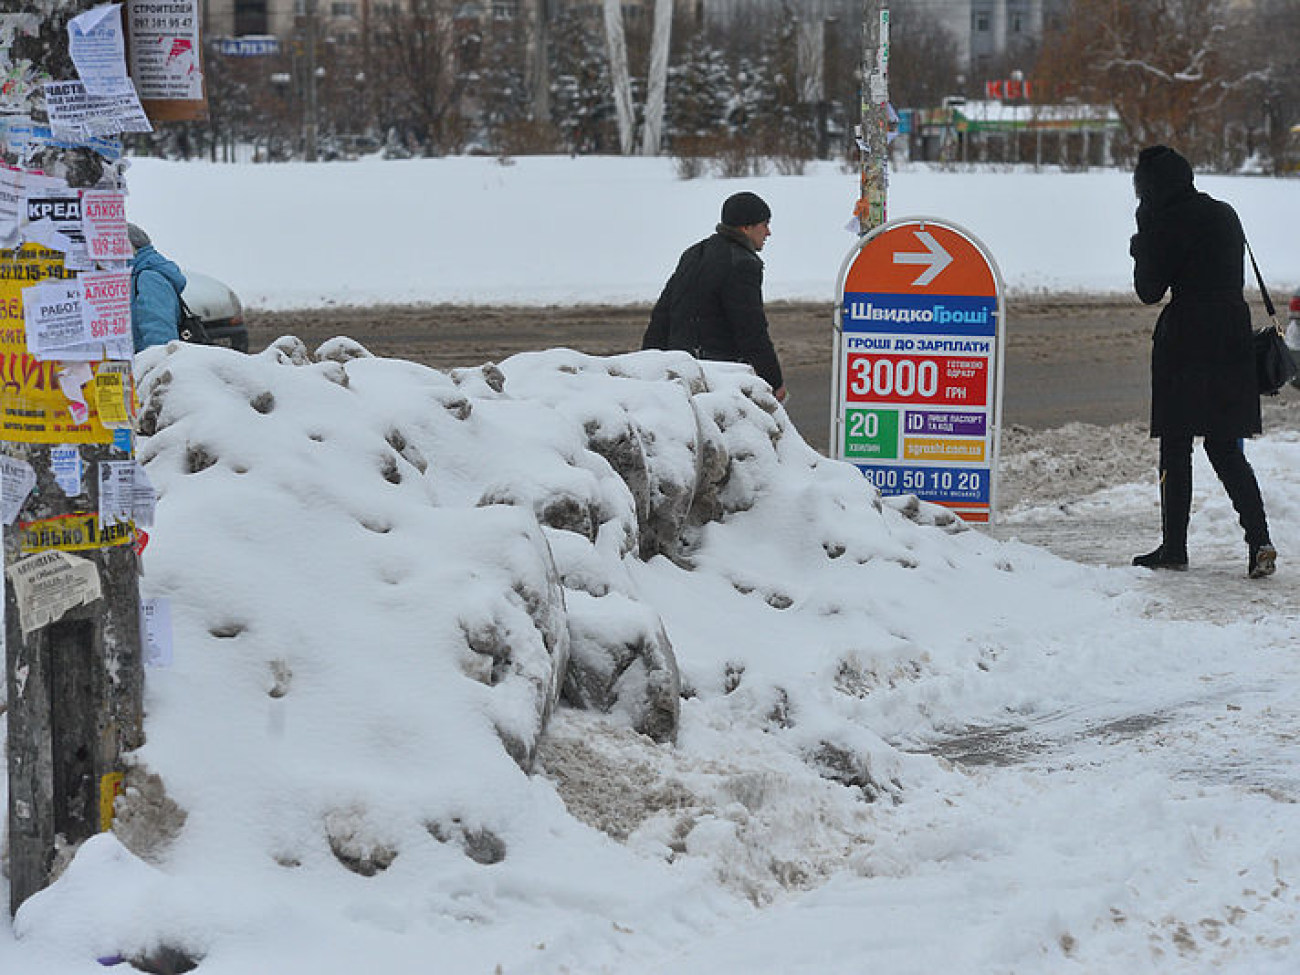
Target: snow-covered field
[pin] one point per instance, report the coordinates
(599, 230)
(901, 746)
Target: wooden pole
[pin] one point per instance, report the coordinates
(73, 672)
(873, 134)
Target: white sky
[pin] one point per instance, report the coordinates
(1137, 809)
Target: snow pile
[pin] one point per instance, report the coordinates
(377, 573)
(383, 576)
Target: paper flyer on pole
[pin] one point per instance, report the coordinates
(103, 224)
(52, 315)
(35, 408)
(49, 584)
(98, 50)
(165, 57)
(77, 114)
(17, 478)
(68, 470)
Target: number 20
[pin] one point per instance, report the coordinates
(864, 425)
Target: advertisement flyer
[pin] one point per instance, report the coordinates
(103, 224)
(77, 114)
(165, 50)
(35, 408)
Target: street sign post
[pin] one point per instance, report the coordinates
(917, 382)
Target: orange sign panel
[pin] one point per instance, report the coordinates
(920, 257)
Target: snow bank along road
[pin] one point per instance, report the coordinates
(1069, 358)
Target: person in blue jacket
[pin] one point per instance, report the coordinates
(156, 285)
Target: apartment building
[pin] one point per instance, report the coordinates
(345, 19)
(986, 31)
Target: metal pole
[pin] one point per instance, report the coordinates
(309, 127)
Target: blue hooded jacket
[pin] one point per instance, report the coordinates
(156, 284)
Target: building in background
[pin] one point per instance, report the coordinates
(985, 31)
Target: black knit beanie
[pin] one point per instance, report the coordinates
(745, 210)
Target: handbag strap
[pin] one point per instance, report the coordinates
(1263, 290)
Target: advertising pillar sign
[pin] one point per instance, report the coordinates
(918, 365)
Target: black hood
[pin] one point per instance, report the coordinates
(1161, 177)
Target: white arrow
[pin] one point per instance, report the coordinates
(936, 258)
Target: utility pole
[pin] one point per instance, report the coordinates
(72, 608)
(309, 126)
(873, 133)
(541, 67)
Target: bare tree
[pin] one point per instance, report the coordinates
(924, 59)
(1163, 64)
(658, 82)
(616, 41)
(420, 54)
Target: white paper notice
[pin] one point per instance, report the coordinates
(48, 584)
(103, 224)
(144, 503)
(52, 313)
(95, 44)
(72, 377)
(76, 113)
(54, 220)
(12, 195)
(165, 49)
(156, 617)
(17, 478)
(65, 462)
(116, 491)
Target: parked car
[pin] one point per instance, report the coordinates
(219, 307)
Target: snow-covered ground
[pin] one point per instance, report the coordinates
(544, 231)
(901, 746)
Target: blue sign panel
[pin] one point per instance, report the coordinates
(946, 314)
(939, 484)
(247, 47)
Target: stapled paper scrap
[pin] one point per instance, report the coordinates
(17, 478)
(12, 194)
(116, 491)
(65, 463)
(144, 499)
(49, 584)
(126, 495)
(72, 376)
(26, 142)
(156, 617)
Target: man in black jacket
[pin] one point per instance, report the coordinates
(712, 306)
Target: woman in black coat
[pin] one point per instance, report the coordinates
(1202, 358)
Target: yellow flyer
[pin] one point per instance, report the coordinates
(113, 394)
(78, 532)
(33, 409)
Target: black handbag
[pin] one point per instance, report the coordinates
(1274, 366)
